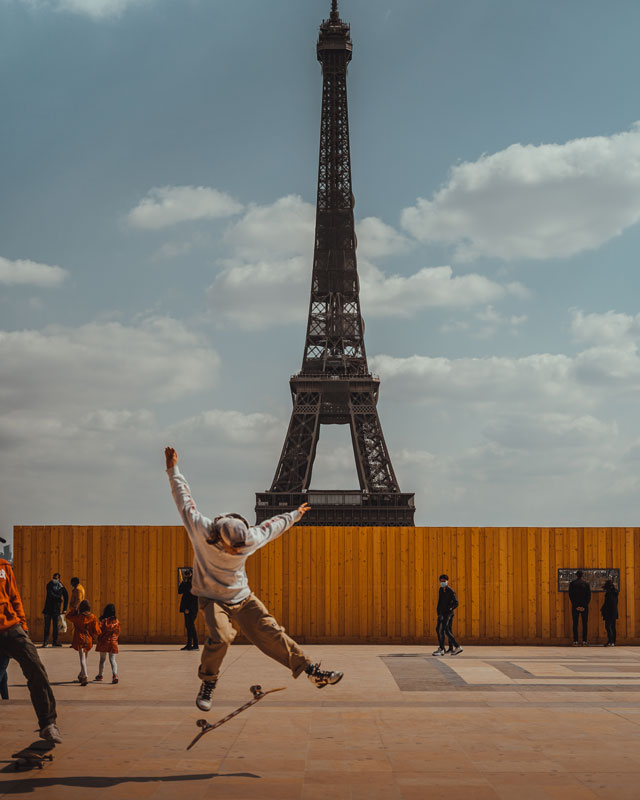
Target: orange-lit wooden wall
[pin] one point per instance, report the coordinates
(363, 585)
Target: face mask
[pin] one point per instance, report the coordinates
(443, 583)
(56, 584)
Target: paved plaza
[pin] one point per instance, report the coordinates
(493, 722)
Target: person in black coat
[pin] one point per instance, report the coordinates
(580, 597)
(609, 611)
(189, 607)
(53, 607)
(447, 604)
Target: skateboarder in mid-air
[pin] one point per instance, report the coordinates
(221, 548)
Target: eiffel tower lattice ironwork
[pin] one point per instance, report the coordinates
(334, 386)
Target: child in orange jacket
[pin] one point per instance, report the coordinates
(108, 641)
(86, 629)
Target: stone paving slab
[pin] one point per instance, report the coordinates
(493, 722)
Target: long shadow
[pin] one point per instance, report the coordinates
(99, 782)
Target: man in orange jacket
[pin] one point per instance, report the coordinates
(15, 643)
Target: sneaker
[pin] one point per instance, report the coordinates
(51, 733)
(194, 647)
(84, 681)
(575, 644)
(56, 644)
(98, 678)
(322, 678)
(44, 644)
(186, 647)
(79, 678)
(203, 700)
(438, 652)
(114, 679)
(584, 644)
(456, 650)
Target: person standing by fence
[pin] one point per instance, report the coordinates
(189, 607)
(580, 597)
(57, 595)
(609, 611)
(447, 604)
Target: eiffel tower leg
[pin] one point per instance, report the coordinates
(372, 457)
(293, 473)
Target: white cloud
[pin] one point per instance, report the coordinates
(281, 229)
(234, 427)
(30, 273)
(99, 365)
(430, 287)
(535, 201)
(169, 205)
(267, 279)
(550, 431)
(540, 378)
(96, 9)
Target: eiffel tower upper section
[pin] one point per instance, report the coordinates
(334, 386)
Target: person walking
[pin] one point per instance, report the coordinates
(580, 597)
(56, 596)
(15, 643)
(107, 644)
(221, 547)
(447, 604)
(86, 629)
(189, 607)
(609, 611)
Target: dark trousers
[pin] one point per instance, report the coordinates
(585, 623)
(14, 643)
(4, 680)
(443, 628)
(50, 620)
(190, 625)
(610, 627)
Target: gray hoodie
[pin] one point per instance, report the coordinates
(217, 574)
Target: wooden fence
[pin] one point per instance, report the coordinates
(348, 585)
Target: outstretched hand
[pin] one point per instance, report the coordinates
(171, 457)
(302, 510)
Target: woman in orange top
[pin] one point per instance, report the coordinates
(86, 629)
(108, 641)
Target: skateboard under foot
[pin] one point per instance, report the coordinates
(37, 754)
(257, 693)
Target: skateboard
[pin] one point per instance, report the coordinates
(37, 754)
(257, 693)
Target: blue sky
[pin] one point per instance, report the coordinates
(158, 167)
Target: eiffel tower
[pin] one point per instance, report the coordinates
(334, 386)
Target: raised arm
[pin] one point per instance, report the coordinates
(195, 522)
(272, 528)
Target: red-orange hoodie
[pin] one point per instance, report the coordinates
(87, 628)
(11, 610)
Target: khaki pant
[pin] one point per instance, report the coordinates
(257, 624)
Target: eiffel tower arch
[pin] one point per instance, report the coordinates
(334, 386)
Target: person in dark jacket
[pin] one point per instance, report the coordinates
(447, 604)
(4, 681)
(53, 607)
(189, 607)
(580, 597)
(609, 611)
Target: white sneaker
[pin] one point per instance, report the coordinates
(456, 650)
(322, 678)
(438, 652)
(203, 700)
(51, 733)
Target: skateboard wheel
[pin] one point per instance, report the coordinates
(256, 691)
(202, 723)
